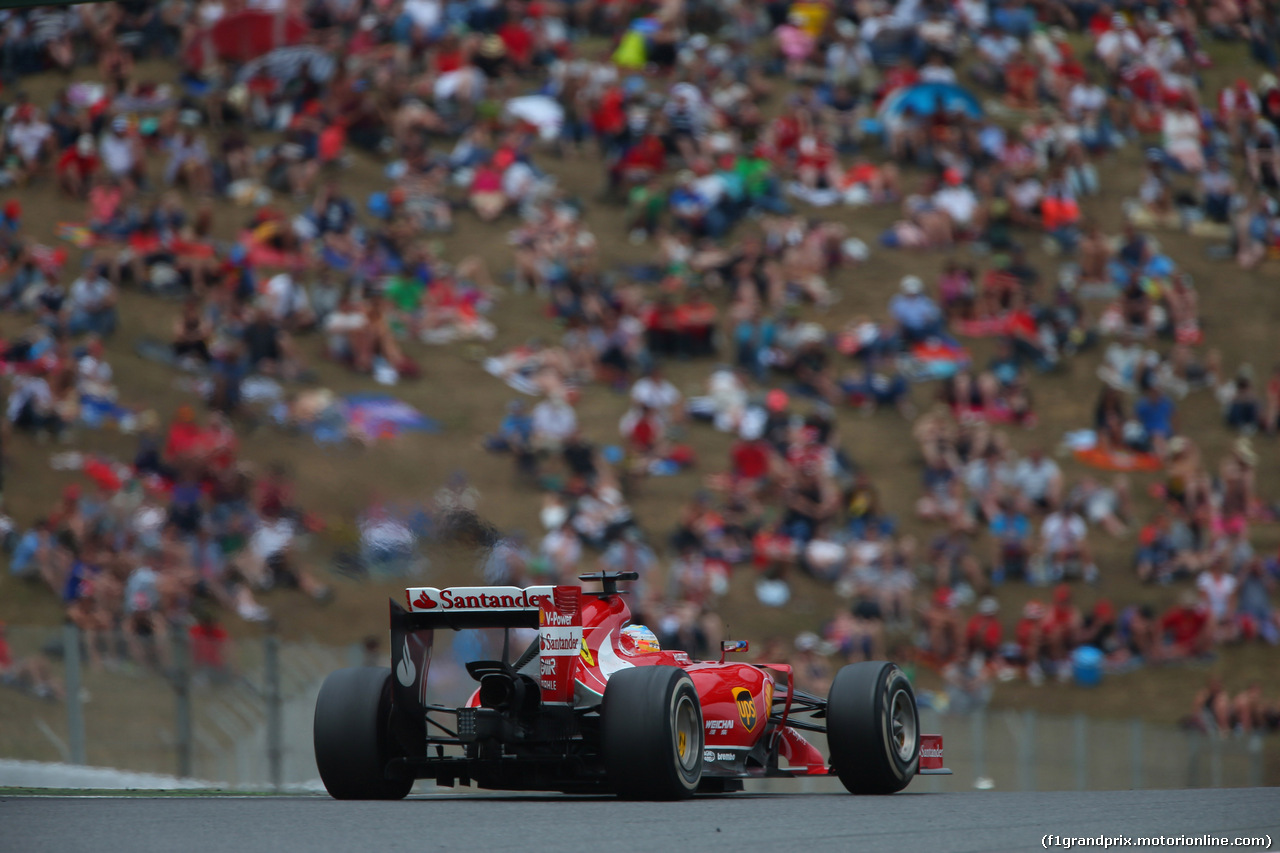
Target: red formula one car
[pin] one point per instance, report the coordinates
(593, 705)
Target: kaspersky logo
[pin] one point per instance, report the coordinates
(746, 707)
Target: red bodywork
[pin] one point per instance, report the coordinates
(745, 707)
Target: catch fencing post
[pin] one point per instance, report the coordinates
(1194, 744)
(1027, 752)
(275, 721)
(1215, 760)
(1081, 752)
(182, 699)
(978, 733)
(1135, 754)
(1255, 760)
(75, 690)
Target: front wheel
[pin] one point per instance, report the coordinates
(353, 741)
(873, 728)
(651, 733)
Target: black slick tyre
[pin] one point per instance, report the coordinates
(651, 735)
(353, 741)
(873, 728)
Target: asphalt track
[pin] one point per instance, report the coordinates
(744, 823)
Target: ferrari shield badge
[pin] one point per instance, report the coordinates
(746, 707)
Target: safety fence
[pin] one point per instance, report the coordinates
(193, 703)
(1029, 751)
(239, 713)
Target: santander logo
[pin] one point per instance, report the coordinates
(478, 598)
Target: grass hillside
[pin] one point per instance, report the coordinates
(1241, 311)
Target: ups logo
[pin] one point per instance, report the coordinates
(746, 707)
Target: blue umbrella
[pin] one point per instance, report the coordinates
(924, 99)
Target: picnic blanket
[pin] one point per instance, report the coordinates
(82, 236)
(934, 360)
(99, 411)
(380, 416)
(1117, 460)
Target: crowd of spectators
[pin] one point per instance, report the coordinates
(724, 131)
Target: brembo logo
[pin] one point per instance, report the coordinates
(928, 752)
(479, 598)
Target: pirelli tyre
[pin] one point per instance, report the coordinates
(873, 729)
(651, 734)
(353, 742)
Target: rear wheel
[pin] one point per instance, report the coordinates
(651, 733)
(353, 739)
(873, 728)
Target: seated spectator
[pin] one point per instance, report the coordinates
(189, 160)
(1101, 631)
(1185, 629)
(1157, 414)
(191, 334)
(1059, 632)
(268, 348)
(1011, 531)
(1183, 136)
(1105, 506)
(1217, 188)
(1038, 479)
(210, 648)
(32, 407)
(30, 673)
(942, 626)
(92, 304)
(654, 390)
(1257, 615)
(286, 302)
(554, 423)
(486, 196)
(1218, 597)
(695, 325)
(32, 558)
(1064, 547)
(1242, 410)
(983, 633)
(77, 167)
(917, 316)
(956, 290)
(122, 154)
(32, 139)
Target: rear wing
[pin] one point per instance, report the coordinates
(555, 611)
(462, 607)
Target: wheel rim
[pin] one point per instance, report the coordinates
(686, 733)
(902, 725)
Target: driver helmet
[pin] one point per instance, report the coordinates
(638, 640)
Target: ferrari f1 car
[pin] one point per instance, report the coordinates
(593, 705)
